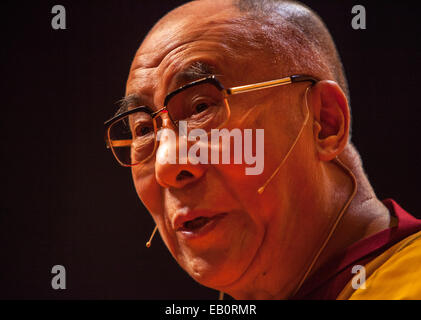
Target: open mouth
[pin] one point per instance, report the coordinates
(196, 223)
(200, 225)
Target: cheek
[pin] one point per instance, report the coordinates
(150, 193)
(148, 189)
(243, 188)
(245, 179)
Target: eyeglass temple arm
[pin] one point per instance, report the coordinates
(269, 84)
(118, 143)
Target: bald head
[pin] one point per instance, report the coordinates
(294, 32)
(294, 35)
(290, 23)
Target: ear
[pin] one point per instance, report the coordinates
(331, 119)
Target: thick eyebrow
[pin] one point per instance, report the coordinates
(128, 102)
(194, 71)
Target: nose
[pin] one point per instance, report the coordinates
(172, 167)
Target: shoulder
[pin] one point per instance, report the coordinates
(394, 275)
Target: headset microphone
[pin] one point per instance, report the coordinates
(262, 188)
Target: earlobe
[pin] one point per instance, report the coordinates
(331, 119)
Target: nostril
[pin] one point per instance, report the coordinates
(184, 175)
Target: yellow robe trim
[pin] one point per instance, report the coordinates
(394, 275)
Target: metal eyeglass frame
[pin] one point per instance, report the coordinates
(211, 80)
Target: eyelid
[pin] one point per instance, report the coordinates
(137, 121)
(140, 117)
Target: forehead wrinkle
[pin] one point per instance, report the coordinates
(178, 70)
(172, 34)
(209, 40)
(174, 62)
(154, 57)
(143, 74)
(211, 45)
(147, 66)
(142, 83)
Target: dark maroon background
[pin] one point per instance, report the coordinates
(64, 199)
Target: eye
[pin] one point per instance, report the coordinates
(143, 130)
(201, 107)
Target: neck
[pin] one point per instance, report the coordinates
(365, 216)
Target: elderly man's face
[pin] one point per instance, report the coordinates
(242, 227)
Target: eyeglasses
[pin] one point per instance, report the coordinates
(202, 104)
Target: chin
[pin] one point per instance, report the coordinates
(212, 274)
(219, 261)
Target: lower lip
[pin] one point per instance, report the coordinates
(201, 232)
